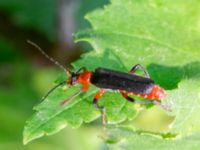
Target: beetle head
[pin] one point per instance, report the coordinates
(74, 78)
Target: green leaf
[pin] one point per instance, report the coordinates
(161, 35)
(123, 138)
(185, 102)
(51, 117)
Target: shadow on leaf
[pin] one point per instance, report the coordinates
(169, 77)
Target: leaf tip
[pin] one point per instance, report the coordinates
(25, 141)
(28, 137)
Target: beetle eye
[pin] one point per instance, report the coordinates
(74, 80)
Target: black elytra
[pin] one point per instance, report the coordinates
(115, 80)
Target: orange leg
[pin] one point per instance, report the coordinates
(98, 95)
(70, 98)
(84, 89)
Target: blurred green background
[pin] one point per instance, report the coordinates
(26, 75)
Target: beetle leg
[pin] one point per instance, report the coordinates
(136, 67)
(82, 68)
(84, 89)
(125, 95)
(165, 107)
(71, 97)
(97, 97)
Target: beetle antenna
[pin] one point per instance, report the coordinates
(68, 72)
(52, 89)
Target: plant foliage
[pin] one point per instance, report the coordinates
(159, 34)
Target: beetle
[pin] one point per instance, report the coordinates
(111, 80)
(124, 83)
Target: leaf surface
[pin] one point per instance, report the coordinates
(161, 35)
(123, 138)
